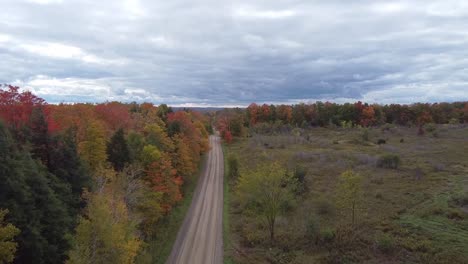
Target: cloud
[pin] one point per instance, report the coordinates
(44, 2)
(251, 13)
(60, 51)
(217, 53)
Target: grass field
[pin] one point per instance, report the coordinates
(416, 213)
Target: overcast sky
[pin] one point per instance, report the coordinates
(214, 52)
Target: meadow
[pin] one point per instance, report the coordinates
(413, 206)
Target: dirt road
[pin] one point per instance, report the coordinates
(200, 239)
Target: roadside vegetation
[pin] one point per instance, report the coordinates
(381, 193)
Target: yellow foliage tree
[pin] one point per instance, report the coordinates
(93, 149)
(183, 160)
(349, 193)
(265, 191)
(7, 245)
(105, 234)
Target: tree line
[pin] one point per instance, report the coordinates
(90, 183)
(232, 122)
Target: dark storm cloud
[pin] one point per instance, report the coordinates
(235, 52)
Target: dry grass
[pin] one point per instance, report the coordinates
(410, 207)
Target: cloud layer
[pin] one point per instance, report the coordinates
(209, 52)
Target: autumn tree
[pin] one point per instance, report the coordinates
(284, 113)
(367, 116)
(465, 113)
(105, 234)
(157, 136)
(253, 112)
(183, 161)
(7, 234)
(163, 111)
(114, 115)
(227, 136)
(184, 123)
(93, 149)
(163, 178)
(16, 107)
(266, 191)
(349, 193)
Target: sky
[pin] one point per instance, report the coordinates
(232, 53)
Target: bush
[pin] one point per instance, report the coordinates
(365, 134)
(430, 127)
(233, 165)
(313, 229)
(299, 174)
(385, 243)
(324, 207)
(454, 121)
(327, 235)
(379, 195)
(460, 199)
(381, 141)
(389, 161)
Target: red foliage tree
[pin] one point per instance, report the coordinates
(114, 114)
(227, 136)
(367, 116)
(252, 113)
(164, 179)
(16, 107)
(284, 113)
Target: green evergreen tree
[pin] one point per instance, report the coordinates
(117, 150)
(28, 191)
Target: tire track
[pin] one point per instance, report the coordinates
(200, 238)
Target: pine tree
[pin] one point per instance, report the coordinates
(117, 150)
(33, 197)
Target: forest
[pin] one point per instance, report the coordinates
(91, 183)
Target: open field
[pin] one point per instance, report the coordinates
(415, 213)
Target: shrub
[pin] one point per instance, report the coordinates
(389, 161)
(454, 121)
(327, 235)
(402, 140)
(381, 141)
(365, 134)
(299, 175)
(460, 199)
(430, 127)
(385, 243)
(233, 165)
(379, 196)
(313, 229)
